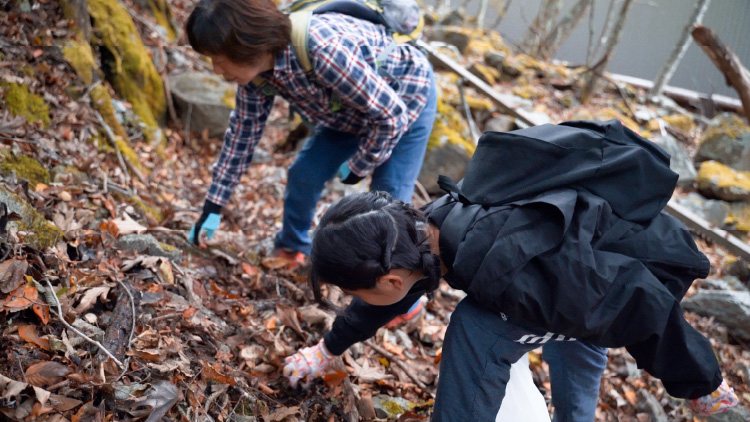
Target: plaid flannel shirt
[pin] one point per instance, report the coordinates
(374, 109)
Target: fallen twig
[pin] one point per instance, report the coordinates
(132, 329)
(391, 357)
(75, 330)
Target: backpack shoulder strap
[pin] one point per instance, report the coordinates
(300, 28)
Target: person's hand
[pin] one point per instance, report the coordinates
(308, 362)
(346, 175)
(208, 221)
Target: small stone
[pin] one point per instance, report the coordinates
(65, 196)
(90, 318)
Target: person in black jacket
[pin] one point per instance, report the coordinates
(573, 249)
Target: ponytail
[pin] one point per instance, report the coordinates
(363, 237)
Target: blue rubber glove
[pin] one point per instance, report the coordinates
(208, 221)
(210, 224)
(344, 171)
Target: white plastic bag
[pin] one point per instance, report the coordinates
(523, 401)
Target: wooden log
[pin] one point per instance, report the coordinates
(736, 75)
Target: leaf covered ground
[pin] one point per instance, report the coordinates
(211, 325)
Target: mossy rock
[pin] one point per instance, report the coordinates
(738, 217)
(22, 102)
(726, 140)
(486, 73)
(449, 149)
(716, 180)
(128, 64)
(681, 122)
(79, 56)
(44, 233)
(605, 114)
(24, 167)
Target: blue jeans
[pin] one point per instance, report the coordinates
(322, 156)
(478, 351)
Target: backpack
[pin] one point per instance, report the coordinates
(402, 18)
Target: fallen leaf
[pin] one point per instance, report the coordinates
(189, 312)
(45, 373)
(249, 269)
(312, 314)
(629, 395)
(335, 378)
(10, 388)
(283, 413)
(274, 262)
(212, 374)
(90, 297)
(165, 268)
(266, 389)
(21, 298)
(62, 403)
(82, 378)
(42, 311)
(271, 323)
(127, 225)
(28, 333)
(161, 398)
(151, 355)
(287, 316)
(11, 274)
(365, 372)
(395, 349)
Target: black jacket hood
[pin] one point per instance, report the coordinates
(604, 158)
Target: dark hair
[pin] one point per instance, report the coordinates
(241, 30)
(363, 237)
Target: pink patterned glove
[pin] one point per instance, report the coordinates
(308, 362)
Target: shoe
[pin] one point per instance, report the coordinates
(282, 258)
(719, 401)
(412, 316)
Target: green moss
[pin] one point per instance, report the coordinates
(130, 68)
(607, 114)
(127, 152)
(168, 248)
(394, 409)
(486, 73)
(681, 122)
(146, 209)
(24, 167)
(713, 172)
(448, 127)
(44, 233)
(160, 11)
(22, 102)
(729, 125)
(102, 102)
(80, 57)
(27, 70)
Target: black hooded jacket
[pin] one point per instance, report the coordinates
(560, 228)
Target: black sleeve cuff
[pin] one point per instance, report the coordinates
(352, 179)
(211, 208)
